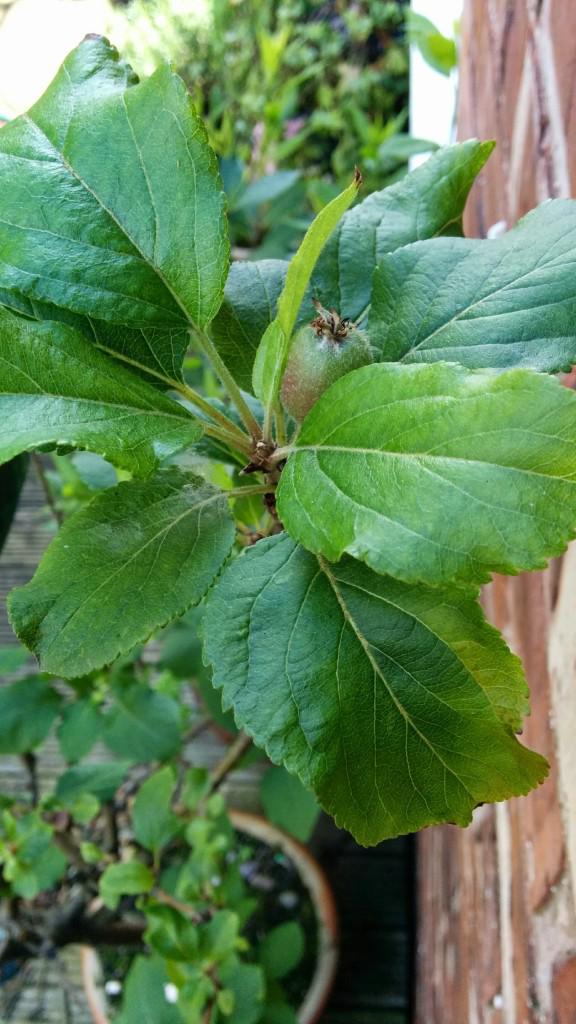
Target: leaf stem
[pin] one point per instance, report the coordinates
(280, 420)
(268, 415)
(245, 492)
(183, 908)
(241, 442)
(182, 388)
(233, 755)
(281, 453)
(228, 382)
(215, 414)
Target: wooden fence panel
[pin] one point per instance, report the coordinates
(497, 922)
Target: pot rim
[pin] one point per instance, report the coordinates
(313, 877)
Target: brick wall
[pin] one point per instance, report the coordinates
(497, 918)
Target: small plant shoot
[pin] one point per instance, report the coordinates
(390, 431)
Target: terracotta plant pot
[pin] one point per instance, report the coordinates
(313, 878)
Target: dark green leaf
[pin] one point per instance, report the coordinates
(279, 1012)
(288, 803)
(99, 780)
(282, 949)
(180, 646)
(372, 691)
(136, 239)
(160, 349)
(250, 301)
(27, 711)
(137, 556)
(79, 729)
(266, 189)
(58, 390)
(152, 817)
(501, 303)
(433, 472)
(12, 477)
(142, 725)
(428, 202)
(212, 701)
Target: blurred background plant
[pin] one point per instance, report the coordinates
(294, 95)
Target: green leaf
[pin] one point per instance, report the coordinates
(225, 1001)
(219, 938)
(288, 804)
(12, 658)
(27, 710)
(80, 728)
(171, 934)
(137, 238)
(35, 863)
(196, 786)
(502, 303)
(56, 389)
(99, 780)
(131, 878)
(94, 471)
(12, 477)
(282, 949)
(160, 349)
(247, 983)
(142, 725)
(91, 853)
(135, 557)
(274, 346)
(144, 998)
(428, 202)
(435, 473)
(84, 808)
(152, 817)
(437, 50)
(371, 692)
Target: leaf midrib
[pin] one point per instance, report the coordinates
(366, 646)
(473, 592)
(318, 449)
(132, 409)
(463, 313)
(118, 224)
(219, 496)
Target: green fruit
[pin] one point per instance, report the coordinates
(320, 353)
